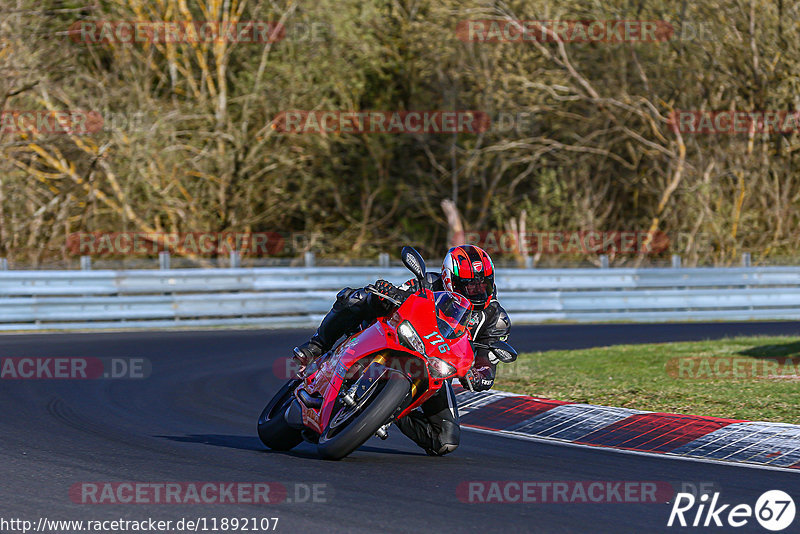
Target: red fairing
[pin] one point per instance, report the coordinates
(327, 382)
(380, 345)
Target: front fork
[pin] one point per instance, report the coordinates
(369, 377)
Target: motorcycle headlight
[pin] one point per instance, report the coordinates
(409, 337)
(439, 368)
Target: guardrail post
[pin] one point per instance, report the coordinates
(163, 260)
(3, 264)
(309, 259)
(604, 261)
(529, 262)
(746, 260)
(236, 259)
(383, 259)
(676, 261)
(86, 263)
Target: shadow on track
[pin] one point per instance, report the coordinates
(782, 350)
(252, 443)
(246, 443)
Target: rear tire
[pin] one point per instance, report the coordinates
(379, 408)
(273, 429)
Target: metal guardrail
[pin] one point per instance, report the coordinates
(282, 297)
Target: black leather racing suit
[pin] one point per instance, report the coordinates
(435, 428)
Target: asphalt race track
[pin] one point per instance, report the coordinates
(194, 419)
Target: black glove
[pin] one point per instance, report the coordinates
(413, 286)
(475, 380)
(390, 290)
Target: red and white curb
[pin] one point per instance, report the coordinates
(688, 436)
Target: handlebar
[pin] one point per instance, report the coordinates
(372, 289)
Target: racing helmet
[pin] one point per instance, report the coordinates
(468, 270)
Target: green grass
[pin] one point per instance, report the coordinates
(639, 377)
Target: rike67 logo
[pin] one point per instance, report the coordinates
(774, 510)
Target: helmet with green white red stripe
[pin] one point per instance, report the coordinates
(468, 270)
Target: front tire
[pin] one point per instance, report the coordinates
(336, 442)
(273, 429)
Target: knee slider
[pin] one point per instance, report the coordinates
(346, 299)
(350, 297)
(447, 448)
(448, 439)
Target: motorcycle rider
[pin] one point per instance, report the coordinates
(467, 270)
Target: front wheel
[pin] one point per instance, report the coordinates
(273, 429)
(351, 427)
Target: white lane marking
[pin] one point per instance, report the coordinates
(770, 433)
(583, 417)
(711, 438)
(557, 441)
(775, 459)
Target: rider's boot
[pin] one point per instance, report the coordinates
(436, 428)
(309, 351)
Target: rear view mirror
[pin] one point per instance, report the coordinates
(414, 262)
(503, 351)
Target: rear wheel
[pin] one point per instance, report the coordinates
(352, 426)
(273, 429)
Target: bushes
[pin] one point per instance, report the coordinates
(599, 152)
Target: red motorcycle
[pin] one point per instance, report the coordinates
(375, 376)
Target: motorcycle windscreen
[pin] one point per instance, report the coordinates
(452, 314)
